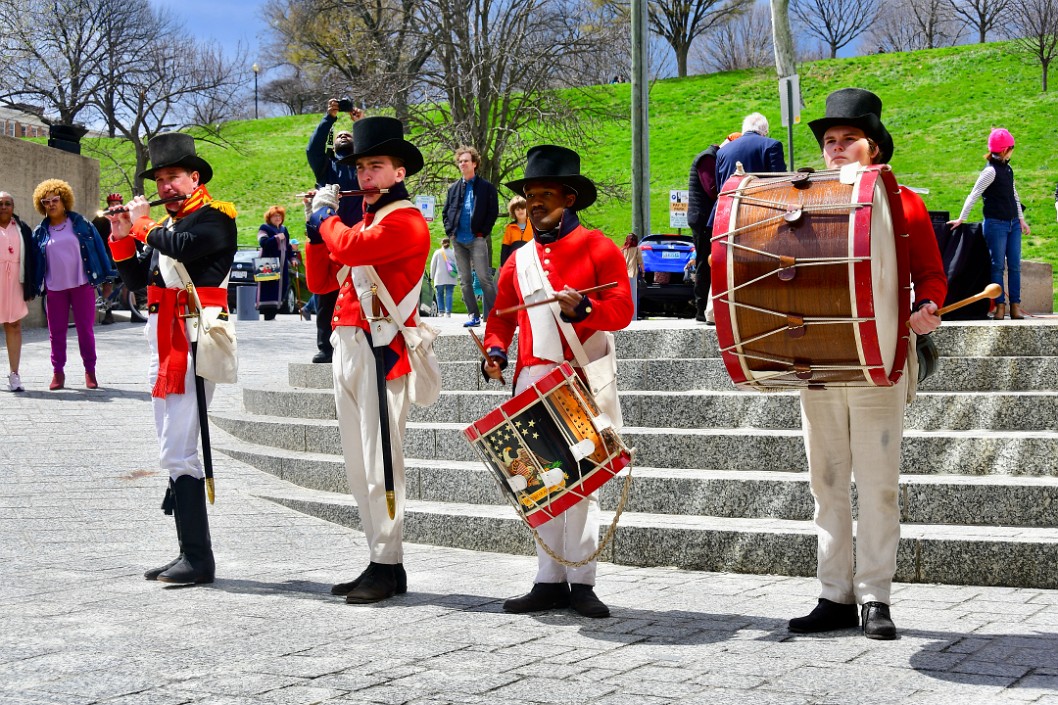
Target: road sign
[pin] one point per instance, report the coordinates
(426, 204)
(790, 100)
(678, 209)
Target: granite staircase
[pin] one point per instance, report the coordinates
(720, 479)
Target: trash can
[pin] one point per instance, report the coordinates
(246, 303)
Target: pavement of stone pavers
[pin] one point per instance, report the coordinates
(79, 522)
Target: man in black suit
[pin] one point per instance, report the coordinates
(469, 214)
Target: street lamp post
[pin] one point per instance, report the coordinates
(256, 70)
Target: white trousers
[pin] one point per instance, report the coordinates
(176, 416)
(573, 534)
(356, 398)
(855, 433)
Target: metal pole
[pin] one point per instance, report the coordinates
(256, 69)
(640, 127)
(789, 121)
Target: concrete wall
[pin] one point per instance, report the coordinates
(24, 164)
(1037, 287)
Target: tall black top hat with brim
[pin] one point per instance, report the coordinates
(383, 137)
(548, 162)
(176, 149)
(860, 108)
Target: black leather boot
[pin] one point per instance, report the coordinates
(584, 602)
(378, 582)
(168, 505)
(828, 616)
(399, 576)
(543, 596)
(196, 560)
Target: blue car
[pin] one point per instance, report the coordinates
(663, 290)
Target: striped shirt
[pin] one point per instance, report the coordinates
(988, 175)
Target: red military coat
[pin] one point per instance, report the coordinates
(397, 248)
(581, 259)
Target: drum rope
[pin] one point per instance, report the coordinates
(780, 314)
(606, 539)
(821, 208)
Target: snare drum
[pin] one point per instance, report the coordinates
(811, 284)
(549, 446)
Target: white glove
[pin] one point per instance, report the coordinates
(326, 197)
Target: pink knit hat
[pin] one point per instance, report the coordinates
(1000, 140)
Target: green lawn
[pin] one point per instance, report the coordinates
(939, 105)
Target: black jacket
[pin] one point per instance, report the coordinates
(486, 208)
(205, 242)
(33, 262)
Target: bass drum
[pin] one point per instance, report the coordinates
(811, 284)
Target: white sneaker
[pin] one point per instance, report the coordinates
(14, 383)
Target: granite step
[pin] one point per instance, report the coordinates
(958, 555)
(954, 374)
(959, 411)
(939, 499)
(924, 452)
(1035, 337)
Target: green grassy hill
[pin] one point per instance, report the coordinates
(939, 104)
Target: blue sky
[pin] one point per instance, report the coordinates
(226, 21)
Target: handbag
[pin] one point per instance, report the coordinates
(424, 380)
(216, 350)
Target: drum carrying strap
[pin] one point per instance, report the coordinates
(531, 261)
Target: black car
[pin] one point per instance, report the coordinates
(242, 275)
(663, 290)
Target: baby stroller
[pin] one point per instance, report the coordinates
(427, 297)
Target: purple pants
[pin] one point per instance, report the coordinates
(82, 299)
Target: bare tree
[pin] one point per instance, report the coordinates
(1035, 23)
(174, 83)
(681, 22)
(982, 15)
(376, 47)
(909, 25)
(305, 90)
(53, 54)
(492, 79)
(743, 42)
(835, 22)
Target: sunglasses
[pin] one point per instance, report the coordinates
(49, 201)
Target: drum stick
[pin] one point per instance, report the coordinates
(990, 292)
(553, 299)
(485, 354)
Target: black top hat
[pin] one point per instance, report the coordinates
(383, 136)
(548, 162)
(176, 149)
(858, 108)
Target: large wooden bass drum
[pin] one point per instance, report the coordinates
(810, 279)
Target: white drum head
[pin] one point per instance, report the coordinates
(885, 276)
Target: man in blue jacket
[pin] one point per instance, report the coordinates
(757, 152)
(469, 214)
(328, 169)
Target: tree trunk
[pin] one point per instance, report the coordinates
(782, 39)
(681, 62)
